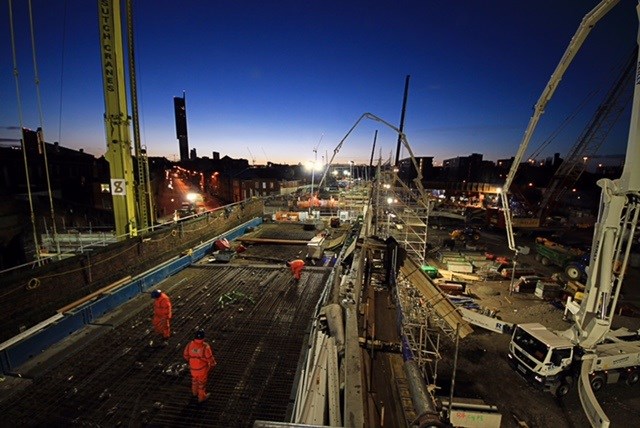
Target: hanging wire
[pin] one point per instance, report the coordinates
(563, 125)
(64, 44)
(615, 69)
(24, 146)
(41, 139)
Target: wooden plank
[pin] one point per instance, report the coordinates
(315, 402)
(273, 241)
(335, 415)
(95, 294)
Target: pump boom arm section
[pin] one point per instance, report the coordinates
(588, 22)
(423, 199)
(617, 218)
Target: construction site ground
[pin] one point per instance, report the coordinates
(117, 373)
(113, 373)
(482, 368)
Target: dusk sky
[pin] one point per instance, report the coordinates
(270, 80)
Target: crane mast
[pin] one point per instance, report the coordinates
(605, 117)
(145, 211)
(117, 119)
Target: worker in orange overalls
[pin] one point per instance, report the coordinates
(161, 314)
(296, 268)
(201, 360)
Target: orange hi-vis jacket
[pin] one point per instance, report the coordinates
(297, 266)
(162, 306)
(199, 355)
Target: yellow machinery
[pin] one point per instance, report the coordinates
(116, 119)
(129, 216)
(466, 234)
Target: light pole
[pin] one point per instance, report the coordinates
(351, 170)
(313, 170)
(390, 215)
(313, 165)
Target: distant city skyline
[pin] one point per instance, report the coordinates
(270, 82)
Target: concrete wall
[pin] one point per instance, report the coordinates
(29, 297)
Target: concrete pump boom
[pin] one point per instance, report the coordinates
(587, 24)
(582, 350)
(617, 218)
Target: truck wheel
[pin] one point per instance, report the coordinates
(573, 272)
(597, 382)
(633, 378)
(545, 261)
(563, 389)
(476, 237)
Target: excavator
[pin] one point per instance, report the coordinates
(589, 354)
(465, 234)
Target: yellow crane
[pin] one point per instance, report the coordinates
(117, 122)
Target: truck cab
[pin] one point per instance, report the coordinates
(541, 357)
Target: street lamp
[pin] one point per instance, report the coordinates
(191, 197)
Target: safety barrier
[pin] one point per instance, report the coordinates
(32, 342)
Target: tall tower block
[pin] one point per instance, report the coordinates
(179, 106)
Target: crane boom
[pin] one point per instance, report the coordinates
(587, 24)
(117, 119)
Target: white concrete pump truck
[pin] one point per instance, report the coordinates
(589, 354)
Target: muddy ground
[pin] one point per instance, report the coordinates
(483, 371)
